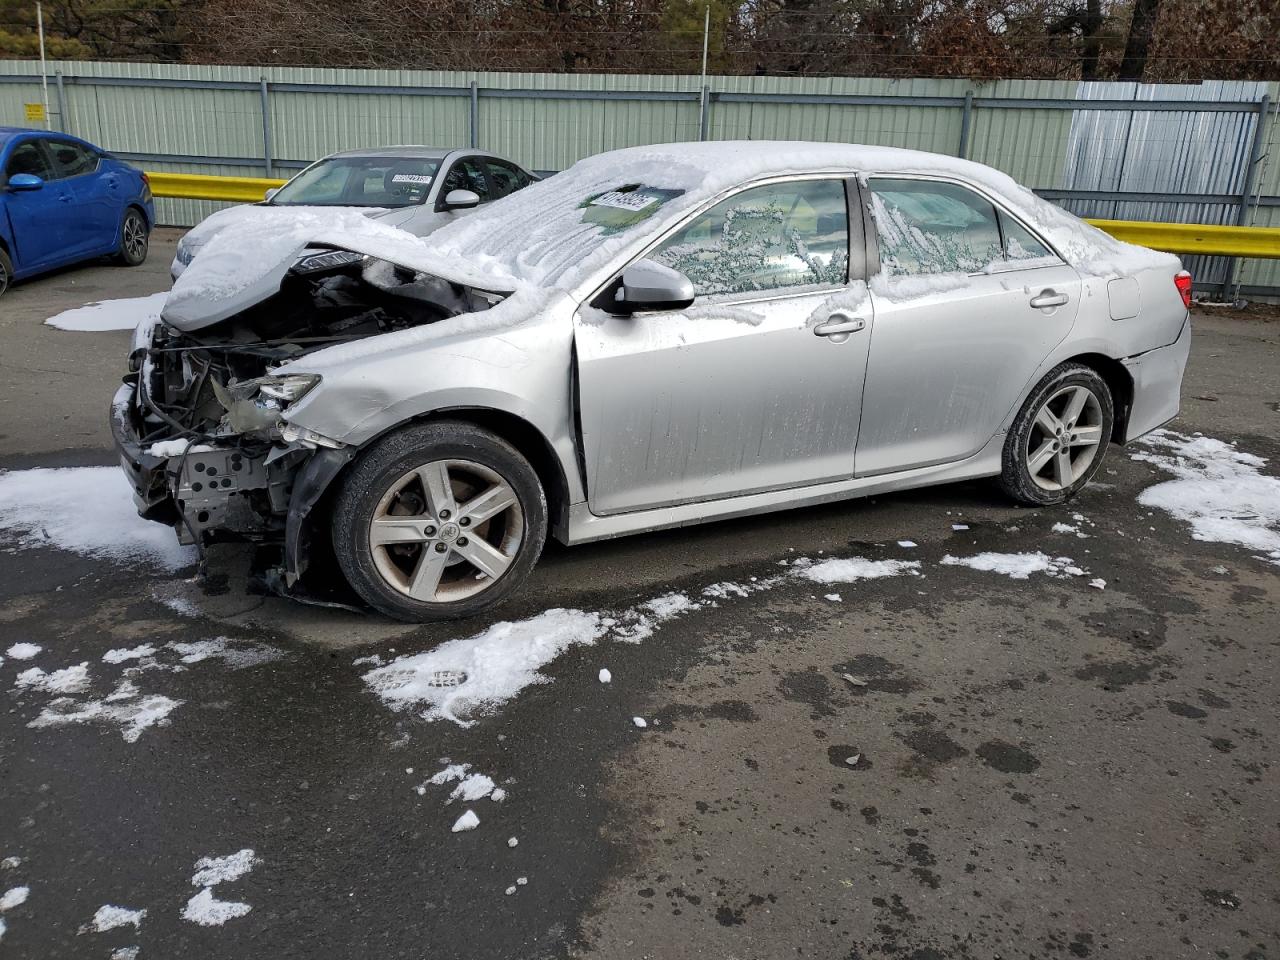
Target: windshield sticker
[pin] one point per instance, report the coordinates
(625, 206)
(410, 178)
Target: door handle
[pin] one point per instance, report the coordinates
(833, 328)
(1049, 298)
(64, 197)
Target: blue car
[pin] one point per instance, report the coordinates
(63, 200)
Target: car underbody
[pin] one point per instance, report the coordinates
(200, 431)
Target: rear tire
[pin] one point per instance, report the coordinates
(6, 272)
(438, 521)
(135, 239)
(1059, 437)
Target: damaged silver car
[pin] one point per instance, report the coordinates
(658, 336)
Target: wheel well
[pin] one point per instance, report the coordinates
(1119, 382)
(141, 210)
(533, 446)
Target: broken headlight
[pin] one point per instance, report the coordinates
(326, 261)
(286, 388)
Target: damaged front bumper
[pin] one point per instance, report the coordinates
(223, 490)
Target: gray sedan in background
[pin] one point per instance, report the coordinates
(658, 336)
(418, 189)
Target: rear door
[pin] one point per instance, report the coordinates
(968, 304)
(757, 386)
(43, 220)
(98, 193)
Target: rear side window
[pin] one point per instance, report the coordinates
(467, 175)
(505, 178)
(1019, 244)
(72, 159)
(772, 237)
(27, 157)
(925, 227)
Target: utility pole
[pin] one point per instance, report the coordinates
(44, 71)
(703, 95)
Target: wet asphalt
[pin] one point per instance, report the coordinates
(1041, 768)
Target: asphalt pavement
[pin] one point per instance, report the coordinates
(947, 762)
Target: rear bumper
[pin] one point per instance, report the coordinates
(1157, 384)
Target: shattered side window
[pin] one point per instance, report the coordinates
(926, 228)
(769, 237)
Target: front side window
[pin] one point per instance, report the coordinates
(776, 236)
(27, 157)
(505, 178)
(925, 227)
(361, 182)
(72, 159)
(467, 175)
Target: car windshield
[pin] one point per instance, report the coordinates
(361, 182)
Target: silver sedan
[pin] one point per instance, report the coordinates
(658, 336)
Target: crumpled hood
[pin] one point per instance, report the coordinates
(244, 261)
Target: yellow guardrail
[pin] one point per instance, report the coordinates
(1200, 238)
(191, 186)
(1203, 238)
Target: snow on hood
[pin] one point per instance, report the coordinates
(244, 263)
(215, 223)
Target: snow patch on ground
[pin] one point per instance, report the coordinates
(14, 897)
(1018, 566)
(852, 569)
(237, 657)
(67, 680)
(85, 510)
(468, 821)
(109, 917)
(211, 871)
(126, 707)
(497, 663)
(206, 909)
(24, 651)
(639, 623)
(124, 654)
(1218, 490)
(110, 314)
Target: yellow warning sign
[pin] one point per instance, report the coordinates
(35, 112)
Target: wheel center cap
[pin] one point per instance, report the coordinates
(449, 532)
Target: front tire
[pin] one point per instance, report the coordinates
(439, 521)
(135, 239)
(6, 271)
(1059, 437)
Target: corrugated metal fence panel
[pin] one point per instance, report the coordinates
(1026, 144)
(1266, 273)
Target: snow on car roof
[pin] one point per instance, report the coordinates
(542, 236)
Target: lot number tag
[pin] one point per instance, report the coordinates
(624, 201)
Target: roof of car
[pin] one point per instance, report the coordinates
(400, 150)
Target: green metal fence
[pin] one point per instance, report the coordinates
(246, 121)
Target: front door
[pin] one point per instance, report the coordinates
(44, 220)
(98, 199)
(758, 385)
(967, 306)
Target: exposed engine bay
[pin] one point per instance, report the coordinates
(198, 419)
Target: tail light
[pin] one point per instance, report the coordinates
(1182, 280)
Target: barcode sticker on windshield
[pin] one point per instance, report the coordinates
(624, 201)
(410, 178)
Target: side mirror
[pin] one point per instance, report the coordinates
(270, 193)
(461, 200)
(648, 285)
(25, 181)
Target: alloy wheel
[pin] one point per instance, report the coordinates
(1065, 438)
(446, 530)
(135, 237)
